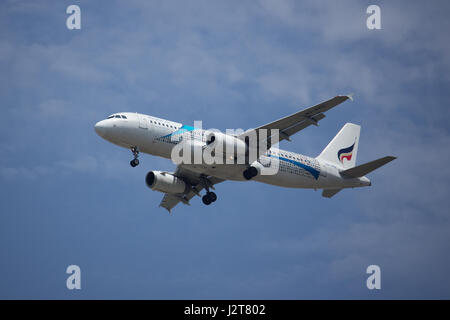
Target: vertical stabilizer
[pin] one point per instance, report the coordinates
(342, 150)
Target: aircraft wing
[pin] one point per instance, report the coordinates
(196, 180)
(292, 124)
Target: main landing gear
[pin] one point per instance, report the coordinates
(209, 198)
(135, 161)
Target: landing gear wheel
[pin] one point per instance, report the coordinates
(212, 196)
(135, 161)
(206, 199)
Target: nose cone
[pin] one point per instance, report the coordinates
(101, 128)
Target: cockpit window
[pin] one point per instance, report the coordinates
(118, 116)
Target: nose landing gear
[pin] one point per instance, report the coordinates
(135, 161)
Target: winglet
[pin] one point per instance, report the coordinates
(350, 96)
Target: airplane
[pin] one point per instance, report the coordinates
(332, 170)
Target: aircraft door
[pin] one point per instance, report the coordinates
(142, 122)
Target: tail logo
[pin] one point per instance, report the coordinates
(345, 153)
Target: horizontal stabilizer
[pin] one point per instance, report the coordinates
(328, 193)
(362, 170)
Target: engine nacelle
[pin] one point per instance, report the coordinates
(165, 182)
(226, 144)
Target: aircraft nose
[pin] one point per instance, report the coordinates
(101, 128)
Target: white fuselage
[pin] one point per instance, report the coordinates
(155, 136)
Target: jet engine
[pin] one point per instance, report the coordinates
(165, 182)
(253, 170)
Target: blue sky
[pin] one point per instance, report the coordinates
(69, 197)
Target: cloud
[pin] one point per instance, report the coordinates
(81, 164)
(54, 108)
(242, 65)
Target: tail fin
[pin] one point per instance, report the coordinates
(343, 148)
